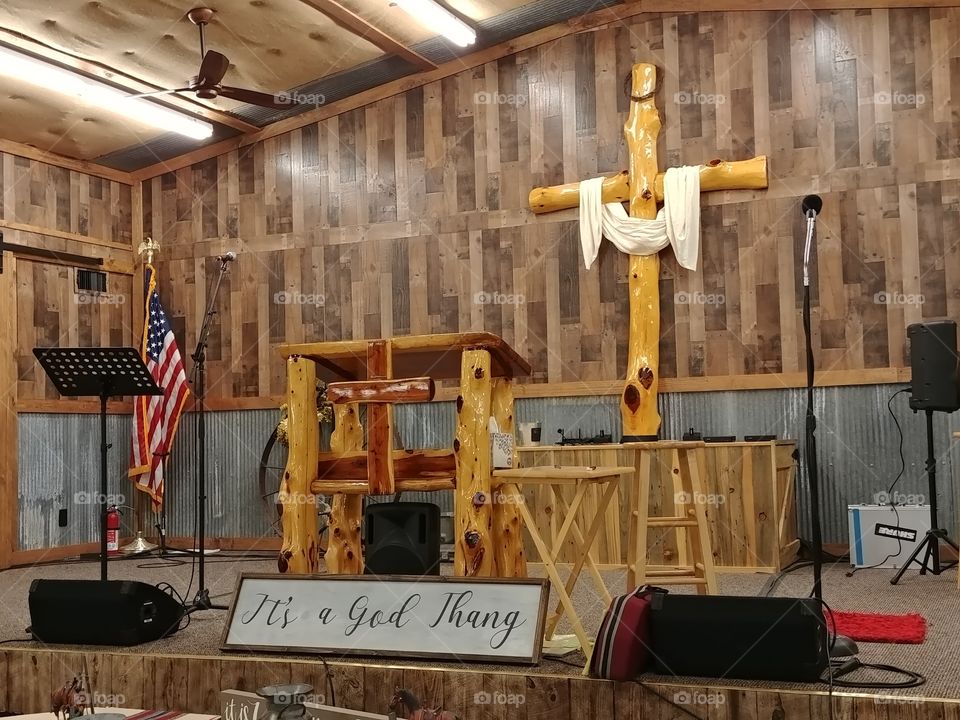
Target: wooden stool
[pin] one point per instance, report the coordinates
(690, 522)
(605, 478)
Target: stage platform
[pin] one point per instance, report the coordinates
(186, 671)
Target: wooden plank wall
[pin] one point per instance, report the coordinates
(45, 206)
(191, 684)
(409, 215)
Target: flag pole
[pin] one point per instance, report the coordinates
(140, 545)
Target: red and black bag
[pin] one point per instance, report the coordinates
(622, 650)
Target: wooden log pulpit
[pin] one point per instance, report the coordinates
(380, 373)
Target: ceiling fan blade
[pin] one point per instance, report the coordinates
(155, 93)
(280, 101)
(212, 69)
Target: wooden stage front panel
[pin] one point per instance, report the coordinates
(192, 683)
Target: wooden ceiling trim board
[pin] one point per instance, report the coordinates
(63, 235)
(122, 80)
(85, 166)
(349, 20)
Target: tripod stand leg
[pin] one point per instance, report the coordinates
(929, 555)
(912, 559)
(931, 541)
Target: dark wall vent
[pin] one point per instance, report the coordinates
(91, 281)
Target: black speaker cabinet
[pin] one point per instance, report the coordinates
(94, 612)
(747, 638)
(933, 366)
(403, 538)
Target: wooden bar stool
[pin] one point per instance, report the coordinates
(695, 566)
(509, 484)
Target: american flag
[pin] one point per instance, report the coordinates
(156, 417)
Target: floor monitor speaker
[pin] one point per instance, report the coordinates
(98, 612)
(402, 538)
(747, 638)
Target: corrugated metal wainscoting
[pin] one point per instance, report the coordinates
(857, 443)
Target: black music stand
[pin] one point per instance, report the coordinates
(102, 373)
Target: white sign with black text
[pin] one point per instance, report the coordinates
(495, 619)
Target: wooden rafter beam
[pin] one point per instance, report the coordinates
(121, 80)
(349, 20)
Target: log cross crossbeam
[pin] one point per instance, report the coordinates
(642, 186)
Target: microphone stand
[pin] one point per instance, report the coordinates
(841, 646)
(813, 474)
(198, 378)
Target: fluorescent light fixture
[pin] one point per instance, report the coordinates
(57, 79)
(440, 20)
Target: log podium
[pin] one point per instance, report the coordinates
(642, 186)
(380, 373)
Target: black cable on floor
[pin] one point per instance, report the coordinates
(773, 582)
(889, 495)
(172, 592)
(848, 665)
(913, 679)
(174, 562)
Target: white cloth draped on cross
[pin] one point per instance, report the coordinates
(677, 222)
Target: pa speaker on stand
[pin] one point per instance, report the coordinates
(934, 386)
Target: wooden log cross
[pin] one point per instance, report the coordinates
(642, 186)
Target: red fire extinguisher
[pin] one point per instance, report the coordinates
(113, 530)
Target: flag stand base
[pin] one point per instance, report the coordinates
(138, 545)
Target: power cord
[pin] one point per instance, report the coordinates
(840, 667)
(889, 495)
(172, 592)
(913, 679)
(14, 640)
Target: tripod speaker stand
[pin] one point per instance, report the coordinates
(934, 386)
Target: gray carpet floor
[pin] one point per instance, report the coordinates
(935, 598)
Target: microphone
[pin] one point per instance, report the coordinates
(811, 206)
(812, 203)
(227, 257)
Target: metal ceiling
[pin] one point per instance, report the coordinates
(492, 31)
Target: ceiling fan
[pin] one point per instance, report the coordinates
(206, 84)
